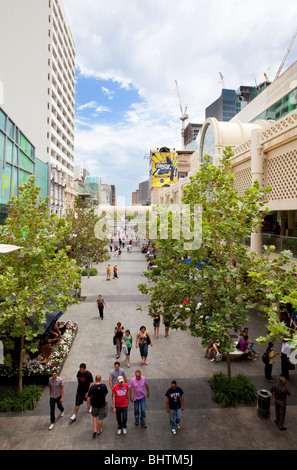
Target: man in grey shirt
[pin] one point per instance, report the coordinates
(115, 373)
(56, 389)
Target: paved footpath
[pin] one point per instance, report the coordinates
(205, 425)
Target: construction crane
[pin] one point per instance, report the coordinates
(184, 116)
(286, 55)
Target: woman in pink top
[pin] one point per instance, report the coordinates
(245, 348)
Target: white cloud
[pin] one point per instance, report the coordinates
(150, 44)
(107, 92)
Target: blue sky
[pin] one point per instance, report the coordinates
(102, 101)
(129, 54)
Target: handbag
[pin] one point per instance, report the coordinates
(114, 340)
(125, 349)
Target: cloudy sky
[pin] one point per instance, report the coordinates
(129, 54)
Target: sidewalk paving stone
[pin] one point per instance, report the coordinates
(205, 425)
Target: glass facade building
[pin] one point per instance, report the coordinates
(17, 163)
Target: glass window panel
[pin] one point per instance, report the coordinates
(10, 129)
(2, 120)
(23, 177)
(9, 150)
(2, 149)
(15, 182)
(5, 185)
(208, 146)
(25, 162)
(26, 146)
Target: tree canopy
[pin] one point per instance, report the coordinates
(37, 279)
(217, 274)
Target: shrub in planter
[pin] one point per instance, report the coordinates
(27, 400)
(240, 389)
(93, 272)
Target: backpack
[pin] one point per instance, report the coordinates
(265, 357)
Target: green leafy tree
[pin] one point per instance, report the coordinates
(34, 276)
(218, 271)
(81, 237)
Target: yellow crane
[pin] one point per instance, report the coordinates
(286, 55)
(184, 116)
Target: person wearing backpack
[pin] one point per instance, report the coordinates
(268, 358)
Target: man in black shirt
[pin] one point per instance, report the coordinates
(96, 397)
(85, 381)
(279, 392)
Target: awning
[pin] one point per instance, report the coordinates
(8, 248)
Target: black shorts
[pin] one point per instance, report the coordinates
(80, 398)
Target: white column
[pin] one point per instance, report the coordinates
(257, 171)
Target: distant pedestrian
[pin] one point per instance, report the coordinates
(101, 304)
(85, 381)
(166, 322)
(56, 390)
(269, 363)
(115, 373)
(108, 272)
(96, 397)
(127, 346)
(285, 359)
(139, 391)
(280, 392)
(120, 404)
(143, 339)
(174, 405)
(118, 335)
(156, 323)
(115, 271)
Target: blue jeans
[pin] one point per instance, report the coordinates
(140, 404)
(143, 348)
(53, 402)
(174, 417)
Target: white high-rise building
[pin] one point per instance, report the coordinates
(37, 75)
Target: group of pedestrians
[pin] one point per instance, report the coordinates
(123, 341)
(95, 393)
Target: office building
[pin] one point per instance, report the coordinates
(37, 76)
(17, 163)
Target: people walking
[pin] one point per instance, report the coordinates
(116, 372)
(120, 404)
(139, 392)
(143, 339)
(96, 397)
(280, 392)
(115, 271)
(101, 304)
(108, 272)
(85, 381)
(118, 335)
(156, 324)
(174, 405)
(127, 346)
(56, 390)
(285, 359)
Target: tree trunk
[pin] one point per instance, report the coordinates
(21, 364)
(229, 366)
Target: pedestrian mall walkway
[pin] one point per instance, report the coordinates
(205, 425)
